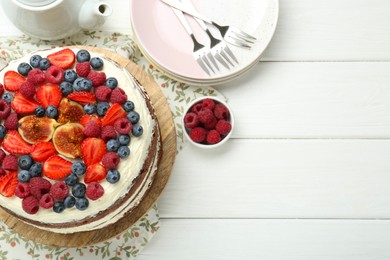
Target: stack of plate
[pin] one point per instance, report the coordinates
(164, 42)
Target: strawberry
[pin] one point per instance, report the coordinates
(95, 172)
(40, 151)
(13, 80)
(115, 112)
(8, 184)
(86, 118)
(64, 58)
(22, 105)
(56, 167)
(14, 143)
(92, 150)
(49, 94)
(83, 97)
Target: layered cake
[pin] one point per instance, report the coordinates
(80, 140)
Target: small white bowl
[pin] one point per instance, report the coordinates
(230, 119)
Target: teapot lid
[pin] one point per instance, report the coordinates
(36, 2)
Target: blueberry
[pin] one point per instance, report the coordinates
(83, 55)
(78, 168)
(78, 190)
(25, 162)
(7, 97)
(71, 179)
(44, 64)
(82, 84)
(39, 111)
(124, 139)
(51, 112)
(66, 88)
(96, 63)
(137, 130)
(70, 75)
(24, 68)
(24, 176)
(102, 108)
(113, 176)
(133, 117)
(58, 206)
(128, 106)
(112, 145)
(36, 169)
(90, 109)
(34, 61)
(3, 131)
(82, 203)
(123, 152)
(69, 201)
(111, 82)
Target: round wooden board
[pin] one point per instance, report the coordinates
(168, 136)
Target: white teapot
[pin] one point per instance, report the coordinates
(56, 19)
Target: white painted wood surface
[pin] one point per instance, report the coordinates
(307, 173)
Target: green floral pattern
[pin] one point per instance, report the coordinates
(128, 244)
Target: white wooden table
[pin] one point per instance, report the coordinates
(307, 172)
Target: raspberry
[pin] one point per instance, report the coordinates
(59, 190)
(1, 89)
(10, 162)
(198, 134)
(213, 137)
(110, 160)
(36, 76)
(54, 74)
(191, 120)
(208, 103)
(103, 93)
(83, 69)
(92, 129)
(97, 78)
(11, 122)
(22, 190)
(205, 116)
(123, 126)
(211, 125)
(2, 172)
(5, 109)
(2, 155)
(221, 112)
(30, 204)
(118, 95)
(94, 191)
(47, 201)
(27, 89)
(196, 108)
(39, 187)
(108, 132)
(223, 127)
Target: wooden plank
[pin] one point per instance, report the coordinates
(312, 100)
(269, 239)
(250, 178)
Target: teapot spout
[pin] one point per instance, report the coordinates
(93, 14)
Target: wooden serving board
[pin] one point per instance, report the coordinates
(168, 136)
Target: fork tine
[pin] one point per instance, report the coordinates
(202, 65)
(205, 60)
(213, 61)
(223, 54)
(221, 60)
(236, 42)
(244, 35)
(230, 53)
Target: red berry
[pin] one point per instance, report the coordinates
(118, 95)
(22, 190)
(83, 69)
(10, 162)
(191, 120)
(47, 201)
(208, 103)
(5, 109)
(97, 78)
(2, 172)
(205, 116)
(198, 134)
(1, 89)
(54, 74)
(59, 190)
(2, 156)
(221, 112)
(30, 205)
(103, 93)
(108, 132)
(196, 108)
(211, 125)
(213, 137)
(27, 89)
(123, 126)
(110, 160)
(94, 191)
(92, 129)
(223, 127)
(11, 122)
(36, 76)
(39, 186)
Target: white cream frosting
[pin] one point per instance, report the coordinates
(129, 168)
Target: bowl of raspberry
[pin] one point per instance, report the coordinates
(208, 122)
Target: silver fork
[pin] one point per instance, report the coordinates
(200, 52)
(230, 33)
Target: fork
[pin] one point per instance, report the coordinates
(230, 33)
(200, 52)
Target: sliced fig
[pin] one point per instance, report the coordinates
(67, 139)
(69, 111)
(36, 129)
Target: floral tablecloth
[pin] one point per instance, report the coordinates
(128, 244)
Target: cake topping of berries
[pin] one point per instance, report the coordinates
(30, 204)
(94, 191)
(59, 190)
